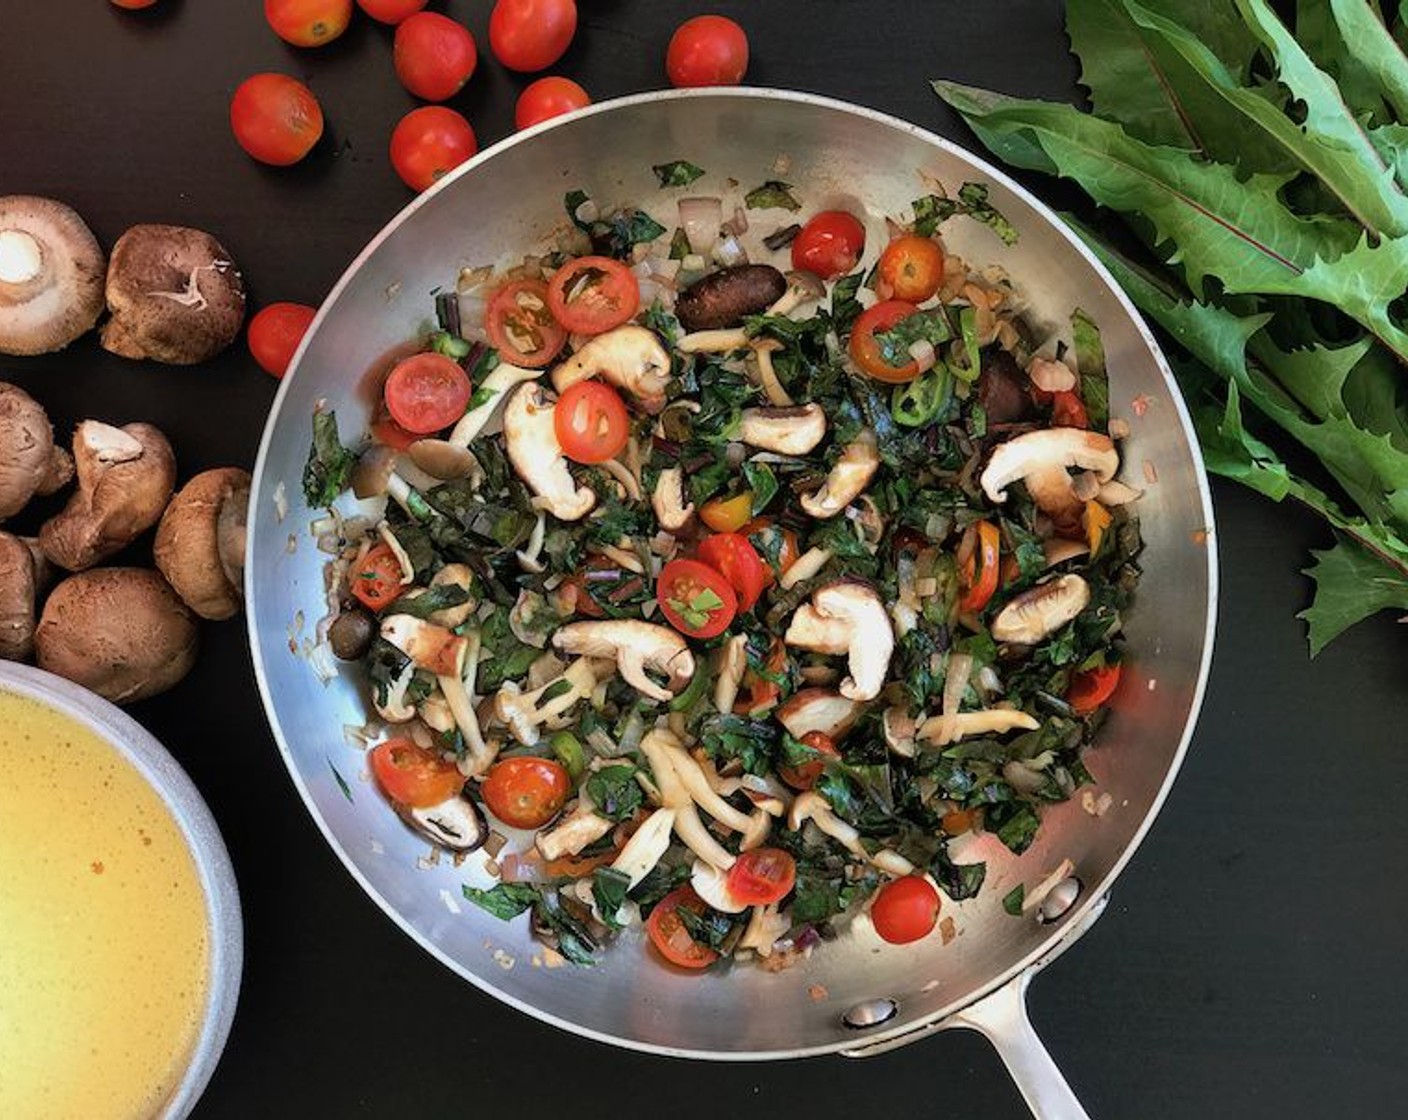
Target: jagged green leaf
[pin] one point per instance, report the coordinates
(1317, 32)
(1314, 375)
(1351, 583)
(1375, 50)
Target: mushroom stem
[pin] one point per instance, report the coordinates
(21, 257)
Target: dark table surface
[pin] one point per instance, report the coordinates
(1250, 964)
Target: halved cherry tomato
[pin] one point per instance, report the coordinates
(528, 35)
(275, 118)
(695, 599)
(727, 515)
(430, 142)
(978, 568)
(521, 326)
(805, 774)
(275, 332)
(376, 579)
(761, 533)
(707, 51)
(391, 11)
(591, 422)
(1068, 410)
(308, 23)
(905, 910)
(547, 98)
(830, 244)
(413, 776)
(526, 792)
(912, 268)
(732, 555)
(386, 430)
(668, 935)
(868, 353)
(762, 876)
(433, 55)
(590, 295)
(427, 392)
(762, 692)
(1090, 689)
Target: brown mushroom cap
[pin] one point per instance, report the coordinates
(17, 594)
(174, 294)
(123, 632)
(51, 275)
(200, 561)
(125, 479)
(29, 462)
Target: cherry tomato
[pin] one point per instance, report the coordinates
(386, 430)
(591, 295)
(526, 792)
(978, 568)
(669, 936)
(829, 245)
(521, 325)
(376, 579)
(1091, 688)
(707, 51)
(308, 23)
(427, 392)
(868, 352)
(547, 98)
(413, 776)
(805, 774)
(528, 35)
(761, 876)
(428, 143)
(276, 119)
(391, 11)
(695, 599)
(275, 332)
(727, 515)
(591, 422)
(905, 910)
(1068, 410)
(734, 557)
(912, 268)
(133, 5)
(433, 55)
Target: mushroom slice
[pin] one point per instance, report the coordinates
(635, 646)
(533, 449)
(945, 729)
(733, 662)
(29, 462)
(496, 386)
(802, 288)
(197, 558)
(818, 709)
(1041, 610)
(455, 575)
(455, 824)
(573, 832)
(442, 459)
(51, 275)
(431, 647)
(1046, 449)
(847, 479)
(711, 885)
(630, 357)
(18, 592)
(667, 500)
(645, 847)
(788, 431)
(847, 617)
(524, 713)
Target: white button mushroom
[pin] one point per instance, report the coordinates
(531, 442)
(629, 357)
(847, 617)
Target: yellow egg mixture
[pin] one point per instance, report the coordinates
(103, 932)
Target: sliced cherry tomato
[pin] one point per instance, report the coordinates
(590, 295)
(434, 56)
(430, 142)
(1091, 688)
(547, 98)
(870, 352)
(905, 910)
(806, 774)
(912, 268)
(762, 876)
(1068, 410)
(668, 933)
(427, 392)
(275, 332)
(308, 23)
(727, 515)
(978, 566)
(763, 692)
(707, 51)
(521, 325)
(738, 561)
(413, 776)
(591, 422)
(695, 599)
(386, 430)
(526, 792)
(528, 35)
(376, 579)
(275, 118)
(830, 244)
(391, 11)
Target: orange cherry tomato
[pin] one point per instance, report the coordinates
(1091, 688)
(905, 910)
(979, 567)
(727, 515)
(308, 23)
(870, 353)
(738, 561)
(427, 392)
(762, 876)
(275, 118)
(707, 51)
(275, 332)
(591, 295)
(391, 11)
(413, 776)
(805, 774)
(830, 244)
(547, 98)
(528, 35)
(521, 325)
(434, 56)
(669, 936)
(591, 422)
(695, 599)
(526, 792)
(430, 142)
(912, 268)
(376, 579)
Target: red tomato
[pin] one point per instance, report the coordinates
(528, 35)
(521, 325)
(829, 245)
(591, 422)
(763, 693)
(735, 558)
(275, 332)
(912, 267)
(391, 11)
(376, 580)
(727, 515)
(428, 143)
(905, 910)
(308, 23)
(865, 349)
(668, 935)
(133, 5)
(1090, 689)
(547, 98)
(276, 119)
(758, 531)
(413, 776)
(526, 792)
(805, 774)
(1068, 410)
(707, 51)
(386, 430)
(433, 55)
(591, 295)
(978, 566)
(762, 876)
(695, 599)
(427, 392)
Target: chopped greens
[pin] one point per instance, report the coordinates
(615, 792)
(772, 195)
(931, 211)
(329, 466)
(676, 173)
(506, 900)
(616, 234)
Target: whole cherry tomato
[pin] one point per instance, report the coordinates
(547, 98)
(529, 35)
(133, 5)
(830, 244)
(905, 910)
(912, 268)
(275, 332)
(434, 56)
(391, 11)
(526, 792)
(308, 23)
(428, 143)
(275, 118)
(707, 51)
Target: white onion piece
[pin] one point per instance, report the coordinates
(729, 252)
(700, 218)
(586, 211)
(922, 351)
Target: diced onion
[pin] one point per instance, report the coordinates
(701, 218)
(729, 252)
(922, 351)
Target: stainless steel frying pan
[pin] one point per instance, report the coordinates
(854, 996)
